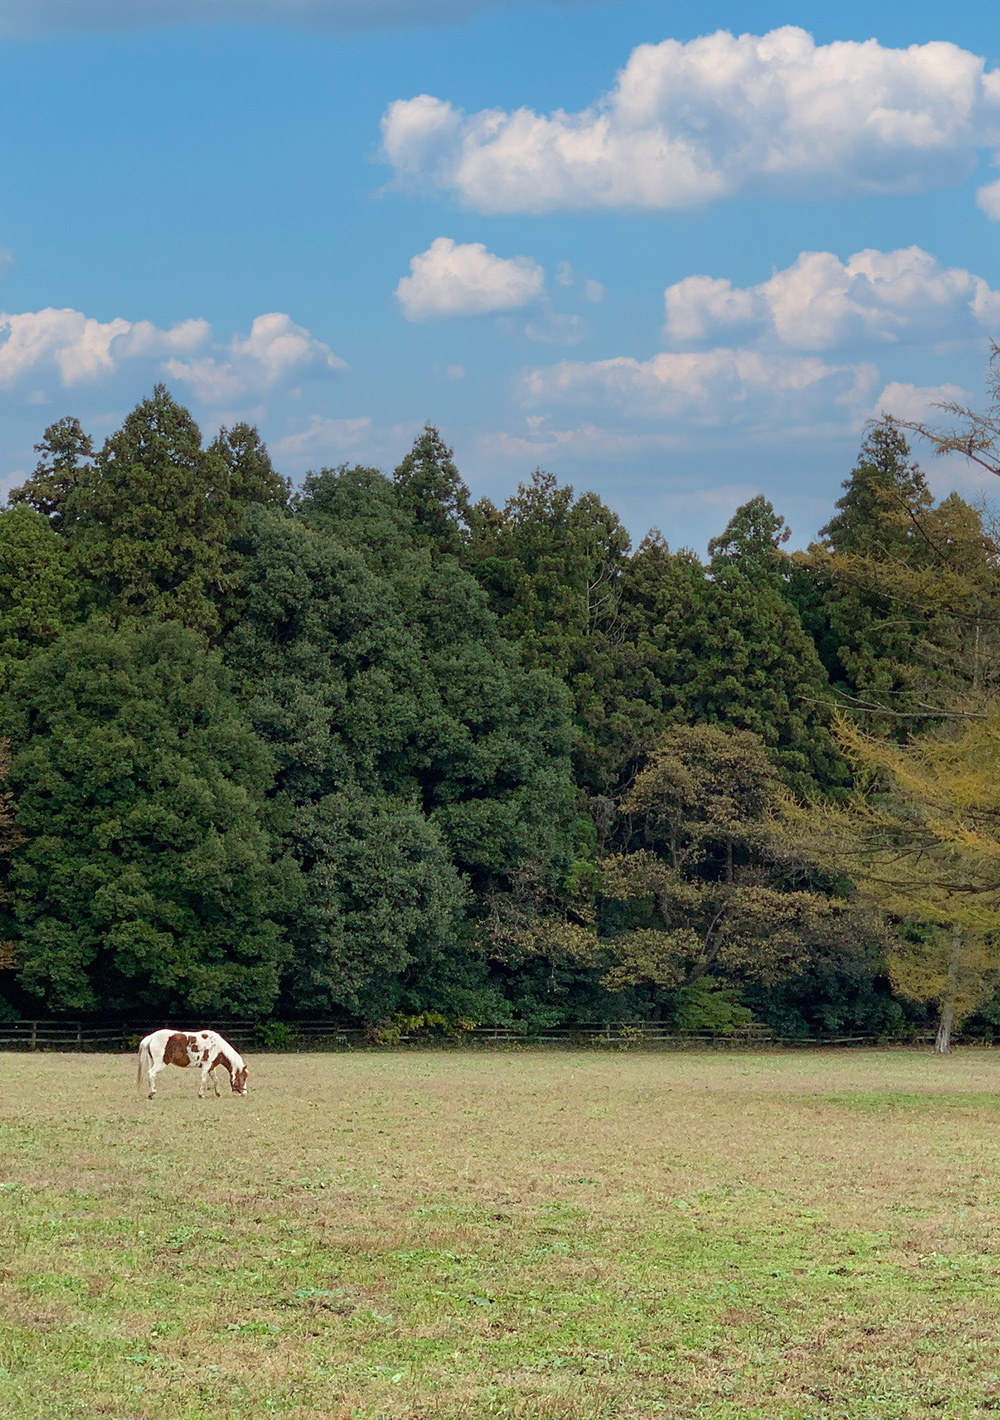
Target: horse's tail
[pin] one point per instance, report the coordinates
(145, 1060)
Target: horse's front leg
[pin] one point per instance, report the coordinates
(215, 1081)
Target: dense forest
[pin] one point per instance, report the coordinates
(371, 750)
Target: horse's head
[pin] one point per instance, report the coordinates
(238, 1080)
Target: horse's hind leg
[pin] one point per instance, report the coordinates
(154, 1070)
(215, 1082)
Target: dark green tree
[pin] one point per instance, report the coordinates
(757, 668)
(150, 520)
(10, 840)
(429, 489)
(901, 597)
(724, 645)
(39, 596)
(485, 754)
(552, 564)
(331, 677)
(147, 527)
(488, 759)
(251, 477)
(884, 493)
(148, 880)
(752, 542)
(67, 456)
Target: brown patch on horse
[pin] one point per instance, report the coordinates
(220, 1059)
(176, 1049)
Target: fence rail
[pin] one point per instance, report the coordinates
(331, 1035)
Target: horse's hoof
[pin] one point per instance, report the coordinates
(151, 1097)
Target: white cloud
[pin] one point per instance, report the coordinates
(275, 350)
(711, 388)
(145, 339)
(988, 197)
(76, 348)
(819, 302)
(918, 403)
(687, 123)
(464, 279)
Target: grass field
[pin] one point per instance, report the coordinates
(471, 1234)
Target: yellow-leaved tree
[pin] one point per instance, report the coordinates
(920, 839)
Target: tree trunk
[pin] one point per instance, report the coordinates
(942, 1046)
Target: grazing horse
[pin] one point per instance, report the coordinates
(203, 1048)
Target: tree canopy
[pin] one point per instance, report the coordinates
(375, 748)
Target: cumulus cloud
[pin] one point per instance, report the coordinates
(276, 350)
(784, 358)
(819, 303)
(38, 16)
(76, 348)
(687, 123)
(708, 388)
(919, 403)
(464, 279)
(988, 197)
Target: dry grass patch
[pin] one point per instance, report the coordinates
(571, 1236)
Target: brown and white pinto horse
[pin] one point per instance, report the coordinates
(204, 1048)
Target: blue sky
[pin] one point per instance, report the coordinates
(674, 253)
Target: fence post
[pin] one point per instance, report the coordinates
(34, 1036)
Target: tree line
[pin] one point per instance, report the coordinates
(371, 749)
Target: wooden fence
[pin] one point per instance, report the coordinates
(330, 1035)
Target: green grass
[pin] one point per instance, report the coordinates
(519, 1235)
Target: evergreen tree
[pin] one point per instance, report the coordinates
(552, 564)
(10, 840)
(724, 645)
(429, 489)
(150, 519)
(67, 458)
(145, 526)
(752, 542)
(875, 515)
(331, 677)
(489, 756)
(147, 881)
(891, 594)
(251, 477)
(39, 597)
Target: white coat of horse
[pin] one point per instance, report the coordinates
(204, 1048)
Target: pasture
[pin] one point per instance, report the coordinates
(560, 1235)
